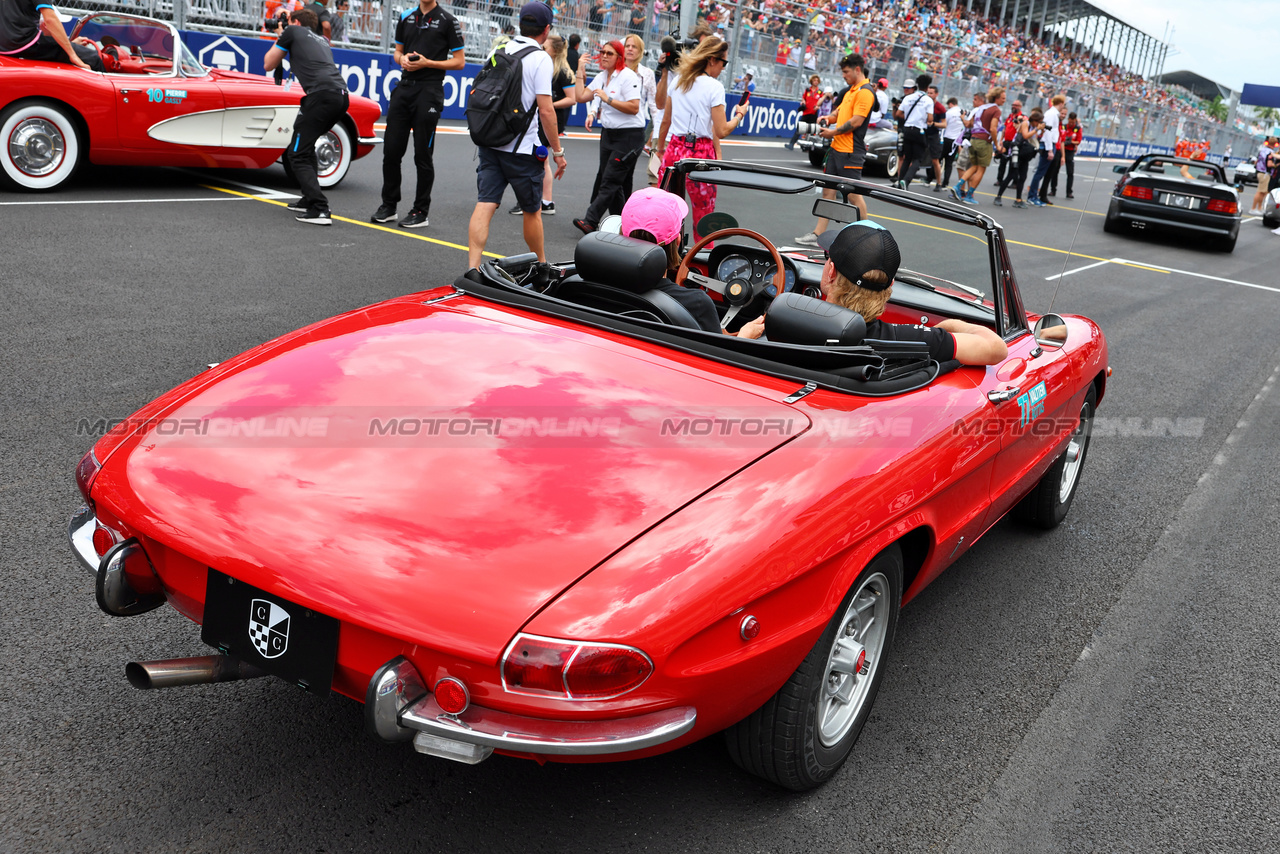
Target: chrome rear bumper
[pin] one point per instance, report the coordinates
(395, 714)
(80, 532)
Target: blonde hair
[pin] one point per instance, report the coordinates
(993, 93)
(559, 58)
(1058, 99)
(868, 303)
(694, 62)
(634, 66)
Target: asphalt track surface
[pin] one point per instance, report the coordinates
(1107, 686)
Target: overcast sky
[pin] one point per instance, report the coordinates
(1229, 41)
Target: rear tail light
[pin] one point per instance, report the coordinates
(452, 695)
(570, 670)
(1136, 192)
(103, 539)
(86, 470)
(1225, 206)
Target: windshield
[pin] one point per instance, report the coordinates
(133, 37)
(938, 254)
(1189, 171)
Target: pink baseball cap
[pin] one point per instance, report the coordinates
(656, 211)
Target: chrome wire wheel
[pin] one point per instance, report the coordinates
(854, 658)
(36, 146)
(1075, 452)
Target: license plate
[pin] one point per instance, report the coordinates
(297, 644)
(1179, 201)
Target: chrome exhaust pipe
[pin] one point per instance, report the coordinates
(202, 670)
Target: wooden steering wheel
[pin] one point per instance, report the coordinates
(738, 292)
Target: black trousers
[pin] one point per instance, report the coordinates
(949, 155)
(619, 150)
(1008, 159)
(318, 113)
(48, 50)
(915, 153)
(1015, 175)
(1069, 160)
(414, 107)
(1051, 177)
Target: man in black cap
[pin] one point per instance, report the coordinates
(862, 259)
(428, 43)
(325, 101)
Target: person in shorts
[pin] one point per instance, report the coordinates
(984, 141)
(517, 163)
(847, 132)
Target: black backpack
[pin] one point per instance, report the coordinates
(495, 115)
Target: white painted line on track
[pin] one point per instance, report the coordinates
(779, 142)
(1250, 219)
(264, 192)
(1076, 270)
(1196, 275)
(115, 201)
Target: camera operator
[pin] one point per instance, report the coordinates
(428, 42)
(325, 101)
(672, 49)
(619, 91)
(693, 120)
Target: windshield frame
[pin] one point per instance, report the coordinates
(1010, 316)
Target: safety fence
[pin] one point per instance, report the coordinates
(781, 57)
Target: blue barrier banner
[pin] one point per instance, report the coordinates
(374, 75)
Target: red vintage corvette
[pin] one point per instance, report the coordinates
(154, 105)
(542, 513)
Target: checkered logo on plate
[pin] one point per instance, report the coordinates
(268, 628)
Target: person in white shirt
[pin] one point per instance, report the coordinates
(693, 121)
(517, 163)
(1048, 148)
(634, 47)
(621, 116)
(916, 114)
(952, 133)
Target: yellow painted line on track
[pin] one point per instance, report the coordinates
(399, 232)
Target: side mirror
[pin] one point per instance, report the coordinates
(1051, 331)
(612, 224)
(1120, 169)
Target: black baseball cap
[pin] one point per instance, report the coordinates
(536, 13)
(860, 247)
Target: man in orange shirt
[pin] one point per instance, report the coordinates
(847, 130)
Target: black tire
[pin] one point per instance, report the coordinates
(1111, 225)
(784, 740)
(44, 145)
(891, 165)
(1050, 501)
(817, 157)
(1226, 244)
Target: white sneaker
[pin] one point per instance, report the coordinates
(807, 239)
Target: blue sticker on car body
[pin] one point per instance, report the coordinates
(1032, 403)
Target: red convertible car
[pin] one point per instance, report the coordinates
(540, 512)
(154, 105)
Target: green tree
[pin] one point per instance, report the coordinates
(1268, 115)
(1217, 108)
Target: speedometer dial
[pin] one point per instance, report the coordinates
(733, 267)
(768, 275)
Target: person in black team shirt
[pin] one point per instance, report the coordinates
(428, 43)
(862, 260)
(21, 23)
(326, 99)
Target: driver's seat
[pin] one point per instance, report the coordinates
(621, 275)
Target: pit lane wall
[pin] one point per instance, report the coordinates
(373, 75)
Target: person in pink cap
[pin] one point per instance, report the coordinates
(658, 217)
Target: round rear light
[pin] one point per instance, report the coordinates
(750, 628)
(452, 696)
(103, 540)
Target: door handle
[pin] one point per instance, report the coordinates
(1001, 395)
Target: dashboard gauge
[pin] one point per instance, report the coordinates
(733, 267)
(769, 289)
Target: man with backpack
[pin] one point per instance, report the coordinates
(428, 43)
(512, 92)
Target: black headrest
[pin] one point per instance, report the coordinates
(798, 319)
(620, 262)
